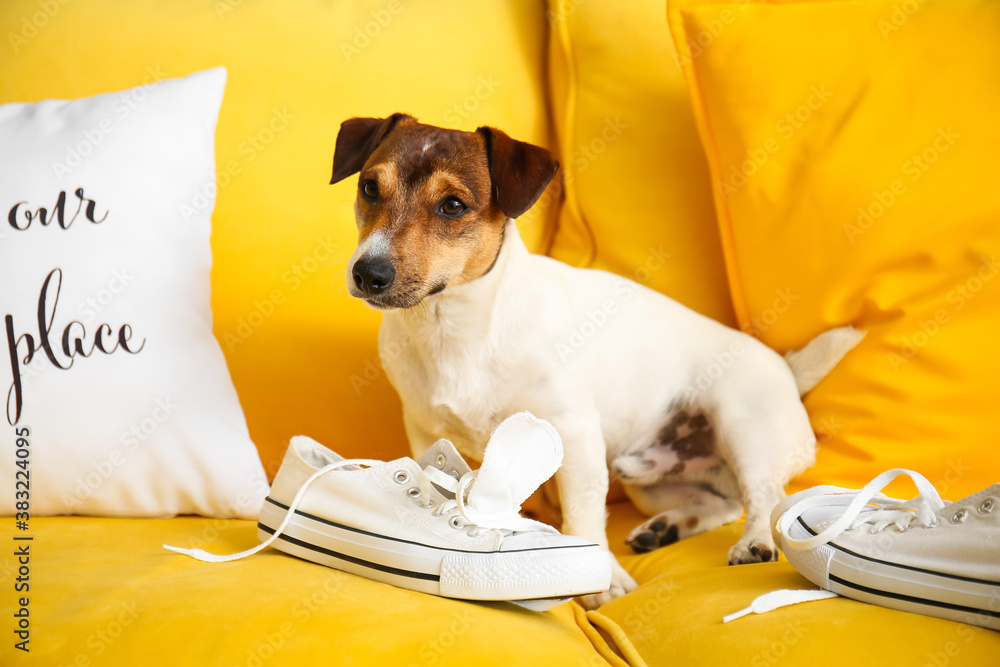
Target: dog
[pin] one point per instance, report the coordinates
(698, 420)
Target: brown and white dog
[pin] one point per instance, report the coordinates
(699, 421)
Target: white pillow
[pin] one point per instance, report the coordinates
(151, 426)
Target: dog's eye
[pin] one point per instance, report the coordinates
(453, 206)
(370, 190)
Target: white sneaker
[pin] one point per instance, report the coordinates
(922, 555)
(433, 525)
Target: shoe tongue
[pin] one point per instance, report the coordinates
(523, 452)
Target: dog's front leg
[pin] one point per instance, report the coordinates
(420, 439)
(583, 492)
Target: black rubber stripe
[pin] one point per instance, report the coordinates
(915, 600)
(419, 544)
(351, 559)
(900, 565)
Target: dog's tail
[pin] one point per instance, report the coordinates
(812, 363)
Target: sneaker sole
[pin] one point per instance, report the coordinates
(536, 578)
(897, 586)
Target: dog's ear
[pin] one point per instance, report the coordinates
(357, 140)
(519, 171)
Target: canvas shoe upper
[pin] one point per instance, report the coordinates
(923, 555)
(433, 525)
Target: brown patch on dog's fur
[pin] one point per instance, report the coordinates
(699, 442)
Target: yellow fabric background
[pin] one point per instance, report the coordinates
(302, 353)
(864, 105)
(638, 200)
(294, 370)
(106, 593)
(675, 617)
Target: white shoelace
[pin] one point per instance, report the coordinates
(508, 521)
(777, 599)
(889, 512)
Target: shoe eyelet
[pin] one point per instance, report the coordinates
(987, 506)
(454, 522)
(429, 504)
(474, 532)
(454, 473)
(440, 461)
(413, 492)
(401, 477)
(960, 516)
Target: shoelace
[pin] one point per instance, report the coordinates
(901, 514)
(890, 512)
(507, 522)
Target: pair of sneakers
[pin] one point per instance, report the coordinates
(923, 555)
(432, 525)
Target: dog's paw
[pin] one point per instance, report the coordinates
(621, 583)
(753, 551)
(655, 533)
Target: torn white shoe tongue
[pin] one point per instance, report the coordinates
(522, 453)
(777, 599)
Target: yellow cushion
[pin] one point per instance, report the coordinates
(103, 591)
(675, 617)
(301, 351)
(852, 147)
(638, 194)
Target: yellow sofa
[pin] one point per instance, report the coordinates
(647, 133)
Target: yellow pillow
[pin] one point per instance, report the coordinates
(675, 617)
(302, 352)
(638, 194)
(853, 148)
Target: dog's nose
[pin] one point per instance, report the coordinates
(373, 276)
